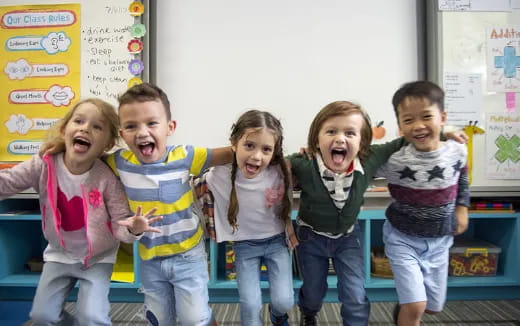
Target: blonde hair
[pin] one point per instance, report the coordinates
(257, 120)
(335, 109)
(55, 134)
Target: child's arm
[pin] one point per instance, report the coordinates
(290, 236)
(221, 155)
(20, 177)
(379, 154)
(462, 201)
(461, 213)
(205, 199)
(116, 203)
(457, 135)
(138, 224)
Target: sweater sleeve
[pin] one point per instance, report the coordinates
(21, 177)
(117, 206)
(463, 195)
(379, 154)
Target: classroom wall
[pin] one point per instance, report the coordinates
(215, 59)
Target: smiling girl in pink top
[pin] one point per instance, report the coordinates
(84, 214)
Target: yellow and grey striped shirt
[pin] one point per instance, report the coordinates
(165, 185)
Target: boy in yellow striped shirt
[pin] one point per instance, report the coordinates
(173, 265)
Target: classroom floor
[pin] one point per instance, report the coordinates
(456, 313)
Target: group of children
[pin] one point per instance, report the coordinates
(88, 206)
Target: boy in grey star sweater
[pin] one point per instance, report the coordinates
(428, 182)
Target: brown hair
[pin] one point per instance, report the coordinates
(335, 109)
(255, 119)
(146, 92)
(55, 134)
(421, 89)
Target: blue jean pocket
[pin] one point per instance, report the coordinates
(196, 253)
(303, 233)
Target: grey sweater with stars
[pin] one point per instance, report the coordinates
(425, 188)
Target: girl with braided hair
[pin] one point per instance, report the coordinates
(252, 205)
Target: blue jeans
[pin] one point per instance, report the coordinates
(176, 287)
(248, 256)
(346, 252)
(57, 280)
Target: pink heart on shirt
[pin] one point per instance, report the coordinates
(72, 215)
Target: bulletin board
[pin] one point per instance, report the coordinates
(55, 53)
(476, 57)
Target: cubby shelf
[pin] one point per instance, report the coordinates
(21, 239)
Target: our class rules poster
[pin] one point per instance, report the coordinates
(40, 76)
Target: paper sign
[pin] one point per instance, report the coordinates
(463, 97)
(503, 146)
(474, 5)
(503, 58)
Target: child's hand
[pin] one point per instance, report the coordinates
(458, 136)
(304, 151)
(461, 213)
(138, 223)
(51, 147)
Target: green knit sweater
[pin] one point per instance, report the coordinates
(317, 208)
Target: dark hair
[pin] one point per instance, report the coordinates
(421, 89)
(257, 120)
(340, 108)
(143, 93)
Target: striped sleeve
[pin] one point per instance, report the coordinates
(201, 158)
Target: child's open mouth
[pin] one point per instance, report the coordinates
(146, 149)
(420, 137)
(252, 168)
(338, 155)
(80, 144)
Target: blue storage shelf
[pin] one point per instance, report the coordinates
(21, 239)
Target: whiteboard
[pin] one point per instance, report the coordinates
(460, 46)
(216, 59)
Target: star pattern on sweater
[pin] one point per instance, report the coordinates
(457, 167)
(436, 172)
(407, 173)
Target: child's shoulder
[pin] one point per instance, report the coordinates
(101, 169)
(456, 147)
(298, 158)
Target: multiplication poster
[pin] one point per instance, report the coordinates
(40, 73)
(503, 146)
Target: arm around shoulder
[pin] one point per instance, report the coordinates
(380, 153)
(221, 155)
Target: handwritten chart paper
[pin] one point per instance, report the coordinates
(503, 146)
(503, 58)
(104, 52)
(474, 5)
(40, 74)
(463, 97)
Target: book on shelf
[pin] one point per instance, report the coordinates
(7, 165)
(491, 207)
